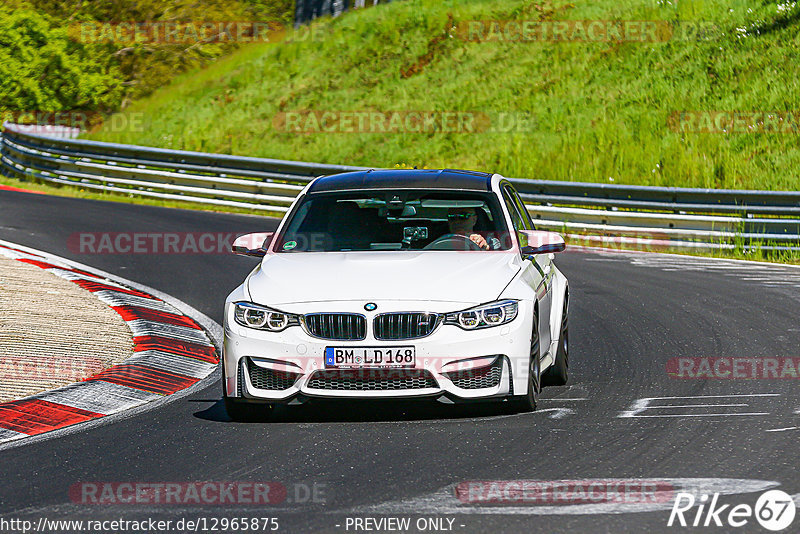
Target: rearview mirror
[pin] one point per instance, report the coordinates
(538, 242)
(252, 244)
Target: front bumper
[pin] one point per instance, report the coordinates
(268, 381)
(451, 364)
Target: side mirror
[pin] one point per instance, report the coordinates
(252, 244)
(537, 242)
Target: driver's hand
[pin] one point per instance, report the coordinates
(479, 240)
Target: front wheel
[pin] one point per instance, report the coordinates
(527, 403)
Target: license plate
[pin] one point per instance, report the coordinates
(358, 357)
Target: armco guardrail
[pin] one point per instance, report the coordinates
(665, 216)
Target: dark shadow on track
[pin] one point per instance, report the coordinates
(216, 412)
(363, 411)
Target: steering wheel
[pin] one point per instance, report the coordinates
(452, 242)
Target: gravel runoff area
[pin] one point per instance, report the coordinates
(53, 332)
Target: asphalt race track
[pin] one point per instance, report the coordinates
(630, 314)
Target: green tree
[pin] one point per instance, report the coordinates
(47, 64)
(41, 68)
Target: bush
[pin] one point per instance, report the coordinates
(45, 65)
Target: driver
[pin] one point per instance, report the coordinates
(462, 221)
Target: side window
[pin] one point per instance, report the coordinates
(516, 219)
(526, 217)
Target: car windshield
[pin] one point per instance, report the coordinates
(395, 220)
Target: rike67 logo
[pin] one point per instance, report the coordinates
(774, 510)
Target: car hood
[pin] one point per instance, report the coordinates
(468, 277)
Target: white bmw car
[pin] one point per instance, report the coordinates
(398, 284)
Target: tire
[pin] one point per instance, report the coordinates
(558, 373)
(527, 403)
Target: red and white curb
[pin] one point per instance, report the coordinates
(174, 349)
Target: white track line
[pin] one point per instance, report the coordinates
(172, 362)
(444, 501)
(698, 414)
(115, 298)
(10, 435)
(98, 396)
(143, 327)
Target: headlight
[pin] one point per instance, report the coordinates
(484, 316)
(255, 316)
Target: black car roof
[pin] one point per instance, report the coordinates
(404, 179)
